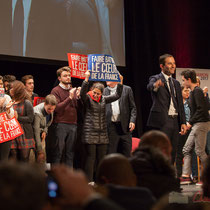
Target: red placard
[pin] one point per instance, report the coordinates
(9, 128)
(38, 100)
(78, 64)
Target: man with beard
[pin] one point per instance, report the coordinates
(167, 112)
(65, 120)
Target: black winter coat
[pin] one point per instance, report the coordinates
(95, 124)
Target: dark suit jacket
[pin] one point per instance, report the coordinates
(161, 102)
(53, 27)
(127, 106)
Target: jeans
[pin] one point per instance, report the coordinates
(208, 143)
(179, 157)
(197, 139)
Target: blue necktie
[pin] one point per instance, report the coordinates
(18, 28)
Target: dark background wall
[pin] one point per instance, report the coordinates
(152, 28)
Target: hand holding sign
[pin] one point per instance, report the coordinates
(102, 68)
(87, 75)
(9, 105)
(121, 78)
(9, 128)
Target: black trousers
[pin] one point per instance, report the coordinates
(95, 153)
(119, 142)
(65, 137)
(171, 129)
(5, 150)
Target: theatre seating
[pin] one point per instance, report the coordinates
(135, 143)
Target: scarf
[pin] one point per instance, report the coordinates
(90, 93)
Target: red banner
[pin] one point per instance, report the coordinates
(9, 128)
(78, 64)
(38, 100)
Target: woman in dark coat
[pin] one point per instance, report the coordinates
(21, 146)
(95, 135)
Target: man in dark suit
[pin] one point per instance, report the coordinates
(52, 28)
(167, 112)
(121, 117)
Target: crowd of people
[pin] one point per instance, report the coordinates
(98, 122)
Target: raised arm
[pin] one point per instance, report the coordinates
(117, 95)
(154, 84)
(85, 85)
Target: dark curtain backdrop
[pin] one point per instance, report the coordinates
(155, 27)
(152, 28)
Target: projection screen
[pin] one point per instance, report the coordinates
(50, 29)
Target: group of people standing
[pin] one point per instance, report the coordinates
(108, 118)
(168, 114)
(17, 101)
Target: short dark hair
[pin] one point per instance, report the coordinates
(50, 100)
(65, 68)
(189, 74)
(115, 169)
(9, 78)
(99, 86)
(157, 139)
(25, 78)
(162, 58)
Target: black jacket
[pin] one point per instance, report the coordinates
(199, 106)
(95, 125)
(127, 106)
(161, 102)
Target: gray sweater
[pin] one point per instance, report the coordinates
(40, 124)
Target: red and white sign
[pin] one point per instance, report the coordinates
(38, 100)
(78, 64)
(9, 128)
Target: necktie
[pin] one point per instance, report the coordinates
(172, 92)
(18, 28)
